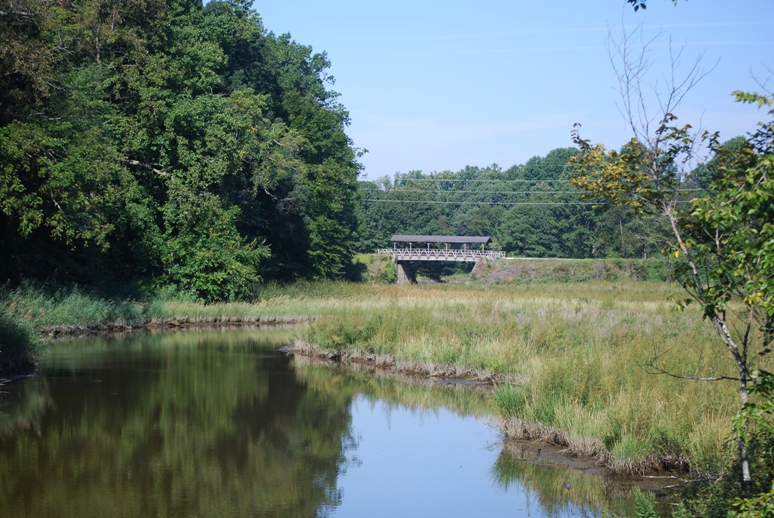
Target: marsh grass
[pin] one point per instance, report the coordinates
(581, 349)
(19, 345)
(32, 310)
(39, 308)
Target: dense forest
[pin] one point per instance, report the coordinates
(168, 142)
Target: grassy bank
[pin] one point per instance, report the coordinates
(526, 270)
(579, 348)
(576, 348)
(31, 312)
(19, 345)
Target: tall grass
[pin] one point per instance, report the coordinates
(581, 351)
(578, 350)
(40, 307)
(19, 345)
(33, 309)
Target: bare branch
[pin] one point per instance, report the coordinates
(147, 166)
(652, 368)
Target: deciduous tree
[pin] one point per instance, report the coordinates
(723, 240)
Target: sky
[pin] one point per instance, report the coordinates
(436, 85)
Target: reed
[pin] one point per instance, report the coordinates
(19, 345)
(580, 348)
(577, 348)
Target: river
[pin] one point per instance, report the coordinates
(221, 423)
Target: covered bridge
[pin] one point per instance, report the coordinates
(437, 248)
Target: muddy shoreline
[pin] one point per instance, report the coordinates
(536, 443)
(63, 331)
(443, 373)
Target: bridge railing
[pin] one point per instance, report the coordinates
(432, 254)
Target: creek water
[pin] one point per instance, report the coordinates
(221, 423)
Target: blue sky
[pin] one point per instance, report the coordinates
(437, 85)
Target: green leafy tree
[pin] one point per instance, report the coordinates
(409, 205)
(204, 253)
(117, 119)
(725, 241)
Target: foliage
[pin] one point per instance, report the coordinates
(755, 424)
(171, 141)
(529, 210)
(731, 232)
(760, 506)
(19, 345)
(725, 242)
(376, 269)
(757, 417)
(641, 4)
(206, 254)
(644, 504)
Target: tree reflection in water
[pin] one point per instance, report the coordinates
(218, 424)
(184, 424)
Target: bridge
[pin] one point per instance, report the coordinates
(455, 248)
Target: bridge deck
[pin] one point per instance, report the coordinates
(420, 254)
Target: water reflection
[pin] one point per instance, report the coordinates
(559, 490)
(394, 390)
(446, 420)
(22, 405)
(222, 424)
(206, 424)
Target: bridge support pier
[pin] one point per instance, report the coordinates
(405, 273)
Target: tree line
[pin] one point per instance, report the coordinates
(530, 210)
(168, 142)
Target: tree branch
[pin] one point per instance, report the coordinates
(652, 368)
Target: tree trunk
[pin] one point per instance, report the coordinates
(741, 437)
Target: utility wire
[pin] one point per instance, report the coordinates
(473, 192)
(433, 202)
(484, 202)
(466, 182)
(442, 191)
(462, 180)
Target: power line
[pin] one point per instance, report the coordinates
(455, 191)
(398, 188)
(485, 202)
(434, 202)
(442, 191)
(460, 180)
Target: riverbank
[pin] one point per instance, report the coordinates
(389, 363)
(32, 315)
(582, 351)
(569, 359)
(222, 322)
